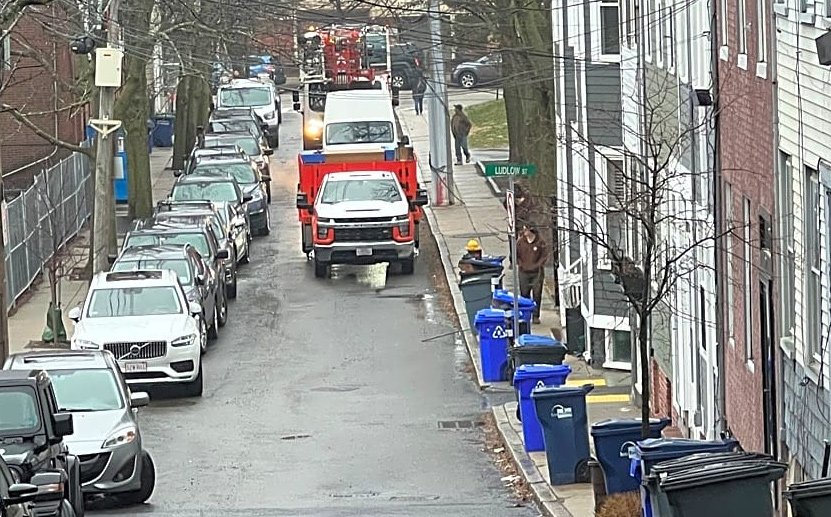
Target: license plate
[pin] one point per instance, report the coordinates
(135, 367)
(363, 252)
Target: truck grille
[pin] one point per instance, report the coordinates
(144, 349)
(362, 234)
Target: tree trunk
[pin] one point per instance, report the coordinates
(646, 387)
(181, 145)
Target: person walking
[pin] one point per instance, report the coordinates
(419, 88)
(531, 256)
(460, 126)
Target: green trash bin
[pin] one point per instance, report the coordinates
(810, 498)
(729, 489)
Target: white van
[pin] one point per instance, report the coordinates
(257, 94)
(359, 121)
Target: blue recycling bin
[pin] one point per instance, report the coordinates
(561, 411)
(526, 378)
(612, 439)
(646, 453)
(164, 126)
(504, 299)
(493, 344)
(120, 170)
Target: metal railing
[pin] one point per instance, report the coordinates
(42, 219)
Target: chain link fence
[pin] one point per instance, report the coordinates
(43, 218)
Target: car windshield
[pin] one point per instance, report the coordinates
(246, 143)
(180, 266)
(134, 301)
(243, 97)
(224, 126)
(359, 133)
(86, 390)
(361, 190)
(196, 239)
(18, 410)
(242, 172)
(208, 191)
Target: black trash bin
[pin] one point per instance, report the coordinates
(163, 129)
(561, 411)
(728, 489)
(534, 349)
(658, 502)
(810, 498)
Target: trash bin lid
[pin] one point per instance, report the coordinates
(725, 472)
(540, 371)
(507, 297)
(809, 489)
(478, 279)
(534, 339)
(706, 458)
(489, 316)
(555, 392)
(671, 448)
(614, 426)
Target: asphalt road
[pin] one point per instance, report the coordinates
(321, 398)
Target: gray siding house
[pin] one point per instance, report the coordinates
(586, 35)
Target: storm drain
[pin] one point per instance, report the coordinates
(460, 424)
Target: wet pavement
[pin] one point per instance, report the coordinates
(322, 397)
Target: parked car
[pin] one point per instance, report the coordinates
(201, 282)
(146, 321)
(483, 71)
(262, 97)
(32, 432)
(16, 497)
(202, 237)
(229, 222)
(200, 154)
(266, 66)
(407, 63)
(245, 141)
(107, 437)
(252, 180)
(234, 125)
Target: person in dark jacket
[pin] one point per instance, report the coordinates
(419, 87)
(460, 126)
(531, 256)
(522, 214)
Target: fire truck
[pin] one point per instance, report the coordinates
(334, 58)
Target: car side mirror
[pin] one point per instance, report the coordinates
(303, 201)
(20, 493)
(74, 314)
(222, 254)
(195, 308)
(63, 424)
(247, 197)
(421, 198)
(200, 279)
(139, 399)
(268, 152)
(295, 106)
(295, 96)
(50, 485)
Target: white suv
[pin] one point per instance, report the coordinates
(145, 320)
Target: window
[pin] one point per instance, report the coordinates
(741, 25)
(669, 39)
(248, 144)
(134, 301)
(197, 240)
(180, 266)
(244, 97)
(216, 191)
(609, 28)
(762, 31)
(615, 183)
(748, 258)
(812, 267)
(5, 53)
(86, 390)
(649, 27)
(661, 26)
(729, 246)
(361, 190)
(725, 26)
(19, 408)
(621, 346)
(359, 133)
(242, 172)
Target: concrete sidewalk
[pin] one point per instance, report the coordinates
(477, 213)
(27, 322)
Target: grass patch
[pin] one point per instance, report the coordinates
(490, 126)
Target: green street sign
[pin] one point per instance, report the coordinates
(509, 169)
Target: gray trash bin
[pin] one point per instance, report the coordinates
(810, 498)
(477, 293)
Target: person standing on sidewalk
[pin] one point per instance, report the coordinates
(522, 214)
(460, 126)
(531, 256)
(419, 88)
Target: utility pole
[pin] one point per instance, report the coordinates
(103, 220)
(4, 313)
(438, 115)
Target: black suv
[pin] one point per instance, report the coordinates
(32, 427)
(407, 65)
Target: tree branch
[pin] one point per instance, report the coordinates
(23, 118)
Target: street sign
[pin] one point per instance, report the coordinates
(509, 204)
(510, 169)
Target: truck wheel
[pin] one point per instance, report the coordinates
(148, 482)
(408, 266)
(321, 269)
(306, 236)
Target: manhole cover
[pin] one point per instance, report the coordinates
(336, 389)
(460, 424)
(295, 436)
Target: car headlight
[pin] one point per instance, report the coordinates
(270, 116)
(84, 344)
(184, 340)
(123, 436)
(313, 128)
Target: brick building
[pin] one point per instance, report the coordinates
(37, 85)
(747, 168)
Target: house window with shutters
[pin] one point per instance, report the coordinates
(615, 215)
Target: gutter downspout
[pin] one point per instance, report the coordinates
(721, 390)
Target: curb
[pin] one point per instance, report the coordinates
(547, 500)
